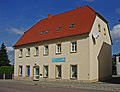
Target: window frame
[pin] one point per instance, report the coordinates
(71, 47)
(20, 70)
(44, 76)
(74, 78)
(104, 31)
(20, 53)
(28, 52)
(58, 48)
(72, 25)
(36, 51)
(99, 27)
(56, 72)
(27, 75)
(46, 51)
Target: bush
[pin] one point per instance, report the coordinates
(6, 70)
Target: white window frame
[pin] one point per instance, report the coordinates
(58, 48)
(46, 49)
(57, 72)
(20, 53)
(20, 70)
(28, 52)
(27, 71)
(44, 73)
(71, 72)
(74, 46)
(36, 51)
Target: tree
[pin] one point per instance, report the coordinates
(4, 61)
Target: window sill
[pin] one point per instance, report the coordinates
(46, 54)
(73, 78)
(35, 55)
(73, 52)
(28, 56)
(58, 78)
(58, 53)
(45, 77)
(20, 56)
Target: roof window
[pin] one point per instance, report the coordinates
(71, 25)
(44, 32)
(59, 28)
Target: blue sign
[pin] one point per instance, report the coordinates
(58, 59)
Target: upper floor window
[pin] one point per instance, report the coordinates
(73, 46)
(71, 25)
(99, 28)
(104, 31)
(28, 52)
(58, 48)
(20, 53)
(46, 50)
(36, 51)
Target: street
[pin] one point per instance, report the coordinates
(6, 86)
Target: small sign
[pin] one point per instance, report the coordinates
(58, 59)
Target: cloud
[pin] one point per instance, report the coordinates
(118, 11)
(9, 49)
(89, 0)
(19, 31)
(115, 33)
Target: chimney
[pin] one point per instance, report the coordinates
(49, 16)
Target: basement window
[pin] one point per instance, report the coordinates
(72, 26)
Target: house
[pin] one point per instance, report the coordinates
(75, 45)
(117, 65)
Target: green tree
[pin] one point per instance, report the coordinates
(4, 61)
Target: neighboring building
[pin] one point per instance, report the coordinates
(118, 65)
(74, 45)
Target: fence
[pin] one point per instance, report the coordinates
(6, 76)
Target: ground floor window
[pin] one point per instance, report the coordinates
(20, 70)
(28, 71)
(73, 71)
(45, 71)
(58, 71)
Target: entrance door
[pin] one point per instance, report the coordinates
(36, 73)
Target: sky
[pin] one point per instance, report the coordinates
(17, 16)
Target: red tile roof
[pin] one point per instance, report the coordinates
(82, 18)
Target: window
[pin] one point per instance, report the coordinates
(59, 28)
(20, 70)
(28, 71)
(73, 71)
(119, 59)
(46, 50)
(58, 71)
(46, 71)
(73, 46)
(71, 25)
(20, 53)
(104, 31)
(28, 52)
(36, 51)
(99, 28)
(58, 48)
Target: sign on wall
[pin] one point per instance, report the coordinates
(58, 59)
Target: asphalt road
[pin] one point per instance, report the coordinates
(6, 86)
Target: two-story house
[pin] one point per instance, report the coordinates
(74, 45)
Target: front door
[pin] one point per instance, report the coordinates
(36, 73)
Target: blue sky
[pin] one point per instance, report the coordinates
(17, 16)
